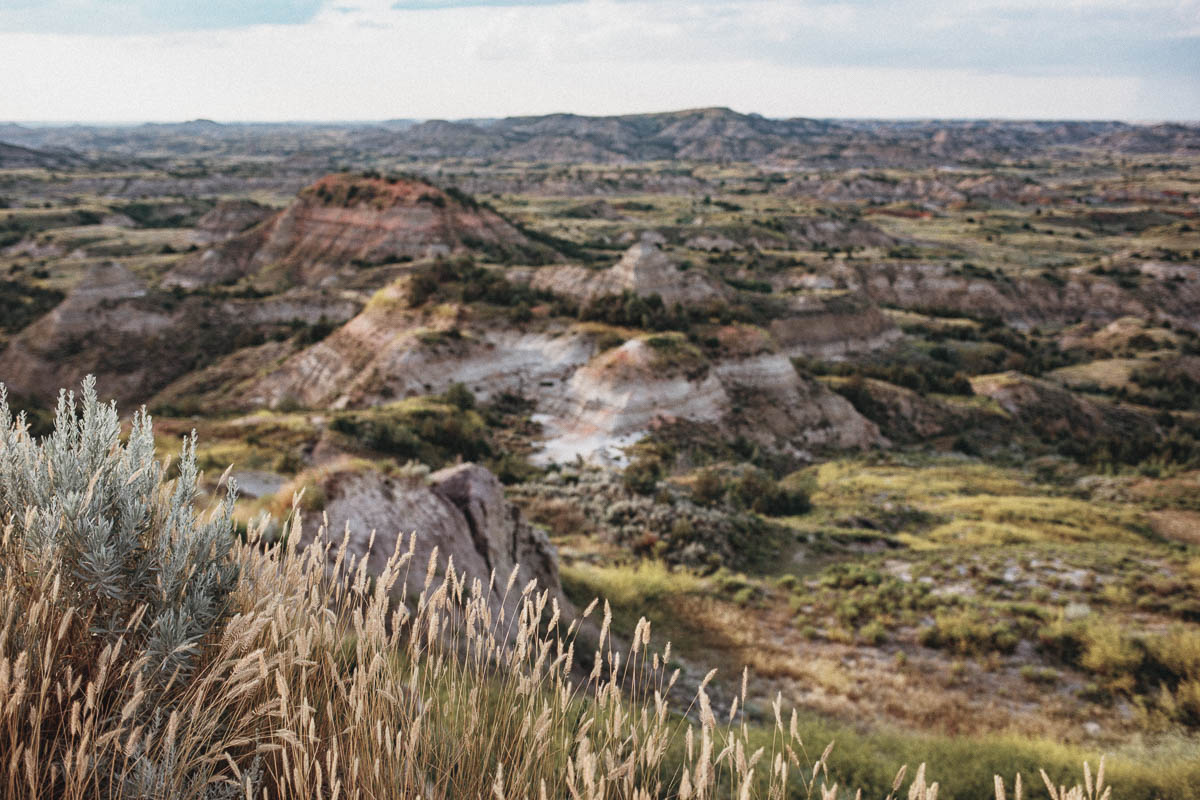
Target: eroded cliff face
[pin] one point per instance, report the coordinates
(1149, 290)
(344, 222)
(459, 513)
(136, 340)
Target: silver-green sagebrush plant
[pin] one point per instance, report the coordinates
(93, 507)
(120, 565)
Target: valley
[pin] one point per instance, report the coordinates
(904, 417)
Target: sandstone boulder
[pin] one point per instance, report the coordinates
(459, 511)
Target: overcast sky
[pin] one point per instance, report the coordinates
(132, 60)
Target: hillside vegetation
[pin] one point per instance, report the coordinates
(146, 651)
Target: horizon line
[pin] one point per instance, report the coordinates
(123, 123)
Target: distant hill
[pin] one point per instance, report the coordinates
(346, 221)
(721, 135)
(717, 134)
(16, 157)
(702, 134)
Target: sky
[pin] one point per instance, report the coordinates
(265, 60)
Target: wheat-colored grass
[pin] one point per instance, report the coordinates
(323, 684)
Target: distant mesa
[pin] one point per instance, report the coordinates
(345, 222)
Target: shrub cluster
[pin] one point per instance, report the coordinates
(430, 431)
(932, 376)
(968, 631)
(462, 280)
(757, 490)
(1160, 386)
(864, 599)
(21, 304)
(1159, 669)
(631, 310)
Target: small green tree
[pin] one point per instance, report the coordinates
(460, 396)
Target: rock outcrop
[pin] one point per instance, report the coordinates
(644, 270)
(627, 391)
(459, 511)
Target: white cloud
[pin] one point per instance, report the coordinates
(361, 59)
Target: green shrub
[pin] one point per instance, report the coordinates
(873, 633)
(21, 304)
(461, 280)
(1109, 652)
(966, 632)
(642, 474)
(138, 580)
(707, 487)
(459, 396)
(756, 490)
(634, 311)
(434, 433)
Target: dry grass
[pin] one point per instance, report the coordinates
(329, 688)
(975, 504)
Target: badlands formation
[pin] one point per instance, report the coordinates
(342, 222)
(317, 263)
(351, 258)
(590, 399)
(902, 416)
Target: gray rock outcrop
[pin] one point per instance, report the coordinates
(460, 511)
